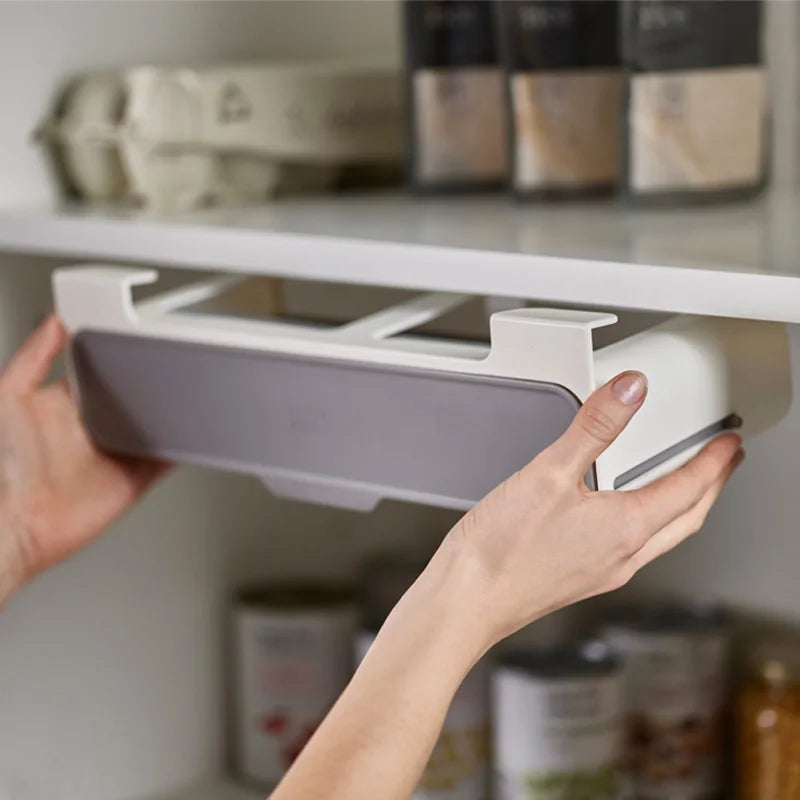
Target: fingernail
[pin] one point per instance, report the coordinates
(738, 458)
(629, 388)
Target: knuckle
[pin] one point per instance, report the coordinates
(623, 550)
(631, 538)
(630, 532)
(627, 573)
(553, 480)
(597, 424)
(545, 476)
(641, 510)
(621, 577)
(696, 520)
(703, 469)
(692, 476)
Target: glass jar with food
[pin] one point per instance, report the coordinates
(768, 725)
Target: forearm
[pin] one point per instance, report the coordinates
(377, 739)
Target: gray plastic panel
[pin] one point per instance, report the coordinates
(335, 426)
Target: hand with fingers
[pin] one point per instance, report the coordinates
(542, 540)
(57, 491)
(539, 541)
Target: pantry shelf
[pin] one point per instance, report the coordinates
(737, 260)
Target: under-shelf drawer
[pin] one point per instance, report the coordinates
(347, 414)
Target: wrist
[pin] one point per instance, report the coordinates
(489, 605)
(447, 601)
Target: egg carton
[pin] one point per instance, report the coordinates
(179, 138)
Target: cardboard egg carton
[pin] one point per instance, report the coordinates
(179, 138)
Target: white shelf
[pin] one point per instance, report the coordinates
(738, 260)
(219, 790)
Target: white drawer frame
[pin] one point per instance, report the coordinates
(704, 373)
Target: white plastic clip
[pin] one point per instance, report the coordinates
(547, 344)
(102, 294)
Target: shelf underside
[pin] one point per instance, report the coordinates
(737, 260)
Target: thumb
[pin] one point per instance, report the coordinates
(602, 418)
(30, 365)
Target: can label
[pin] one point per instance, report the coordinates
(291, 668)
(675, 692)
(557, 739)
(458, 768)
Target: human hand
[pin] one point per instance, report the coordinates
(57, 491)
(539, 541)
(542, 540)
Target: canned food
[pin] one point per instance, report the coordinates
(676, 681)
(558, 724)
(459, 767)
(293, 658)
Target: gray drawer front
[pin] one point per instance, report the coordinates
(405, 433)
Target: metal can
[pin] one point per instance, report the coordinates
(293, 658)
(558, 724)
(675, 661)
(459, 766)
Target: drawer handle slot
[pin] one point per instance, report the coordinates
(693, 442)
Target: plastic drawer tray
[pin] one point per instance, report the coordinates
(355, 413)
